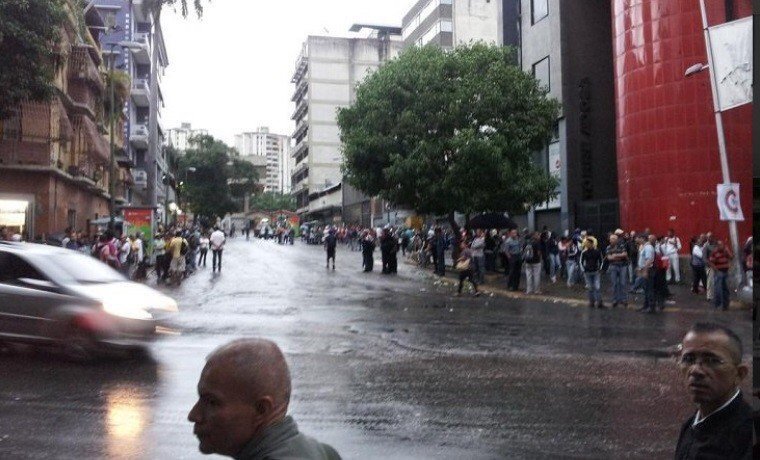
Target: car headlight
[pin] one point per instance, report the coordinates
(125, 310)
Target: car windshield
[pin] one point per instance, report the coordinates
(73, 267)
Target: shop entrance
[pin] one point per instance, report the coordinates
(16, 216)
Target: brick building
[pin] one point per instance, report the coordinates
(55, 156)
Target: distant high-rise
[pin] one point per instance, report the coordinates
(179, 138)
(276, 149)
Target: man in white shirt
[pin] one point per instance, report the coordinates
(216, 240)
(670, 250)
(125, 248)
(137, 247)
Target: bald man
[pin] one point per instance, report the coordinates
(243, 397)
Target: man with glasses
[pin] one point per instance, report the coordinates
(711, 365)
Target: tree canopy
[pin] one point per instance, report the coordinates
(450, 131)
(218, 178)
(273, 201)
(28, 29)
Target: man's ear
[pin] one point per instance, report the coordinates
(743, 370)
(265, 405)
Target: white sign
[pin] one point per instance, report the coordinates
(728, 202)
(732, 61)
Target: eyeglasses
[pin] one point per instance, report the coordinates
(711, 361)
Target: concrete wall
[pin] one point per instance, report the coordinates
(477, 20)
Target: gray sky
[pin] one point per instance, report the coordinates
(230, 71)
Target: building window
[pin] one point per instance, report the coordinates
(541, 72)
(539, 9)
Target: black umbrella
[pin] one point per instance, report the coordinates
(491, 220)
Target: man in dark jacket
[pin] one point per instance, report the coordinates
(368, 249)
(331, 242)
(712, 368)
(244, 392)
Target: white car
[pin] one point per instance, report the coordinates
(55, 296)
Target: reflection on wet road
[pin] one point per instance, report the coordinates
(383, 367)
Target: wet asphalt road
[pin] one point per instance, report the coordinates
(383, 368)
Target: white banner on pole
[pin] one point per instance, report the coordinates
(729, 203)
(732, 62)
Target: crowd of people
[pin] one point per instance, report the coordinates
(632, 261)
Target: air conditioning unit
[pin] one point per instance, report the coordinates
(141, 178)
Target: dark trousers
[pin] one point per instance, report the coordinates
(202, 258)
(440, 264)
(386, 260)
(513, 279)
(330, 255)
(649, 295)
(368, 261)
(700, 275)
(504, 263)
(490, 261)
(466, 274)
(392, 263)
(167, 265)
(216, 255)
(159, 266)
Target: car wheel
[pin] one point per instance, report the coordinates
(78, 345)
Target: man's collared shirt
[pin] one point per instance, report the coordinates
(698, 418)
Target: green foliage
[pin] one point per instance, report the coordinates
(28, 31)
(242, 178)
(206, 191)
(449, 131)
(273, 201)
(122, 87)
(184, 6)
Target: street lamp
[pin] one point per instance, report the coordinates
(111, 186)
(693, 70)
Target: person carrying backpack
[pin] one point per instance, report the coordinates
(177, 250)
(533, 260)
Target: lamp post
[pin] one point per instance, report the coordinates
(111, 186)
(726, 175)
(189, 169)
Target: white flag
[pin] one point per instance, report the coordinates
(728, 202)
(732, 62)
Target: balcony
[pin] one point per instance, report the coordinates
(88, 141)
(301, 89)
(141, 53)
(301, 129)
(26, 153)
(81, 67)
(139, 136)
(302, 106)
(141, 92)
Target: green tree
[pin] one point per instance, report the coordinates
(273, 201)
(206, 192)
(441, 132)
(28, 31)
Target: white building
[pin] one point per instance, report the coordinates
(179, 137)
(276, 149)
(449, 23)
(326, 74)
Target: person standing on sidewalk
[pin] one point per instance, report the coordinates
(331, 243)
(617, 258)
(513, 250)
(439, 246)
(573, 254)
(720, 261)
(177, 250)
(707, 250)
(217, 241)
(645, 272)
(591, 265)
(671, 248)
(368, 249)
(159, 246)
(698, 265)
(464, 266)
(478, 256)
(533, 262)
(204, 244)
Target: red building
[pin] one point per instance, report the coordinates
(667, 148)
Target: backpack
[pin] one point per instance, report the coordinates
(528, 252)
(184, 248)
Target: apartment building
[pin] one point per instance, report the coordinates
(179, 138)
(133, 21)
(54, 158)
(325, 77)
(276, 149)
(449, 23)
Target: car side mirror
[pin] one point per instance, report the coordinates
(39, 284)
